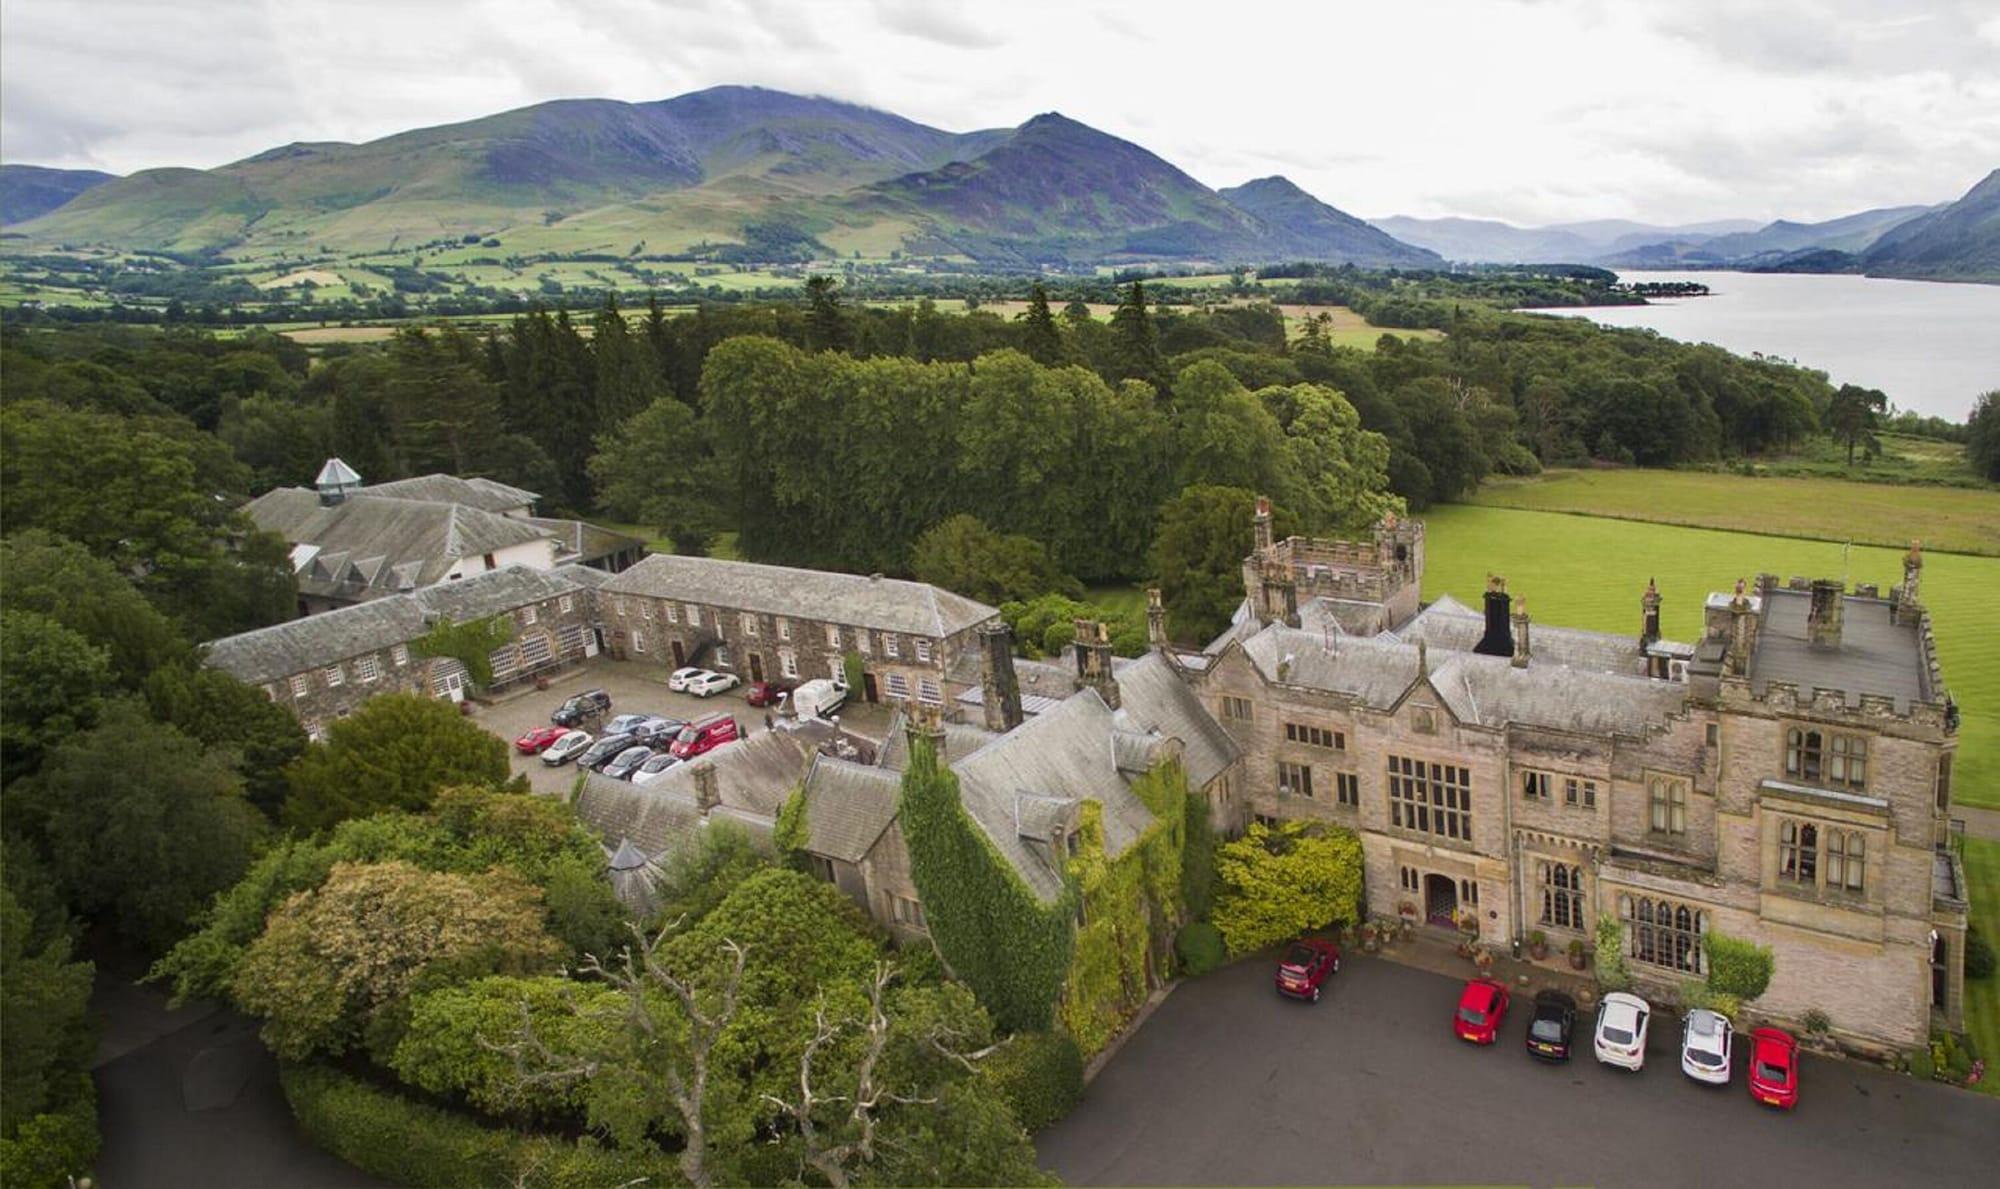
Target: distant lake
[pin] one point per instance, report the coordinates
(1931, 346)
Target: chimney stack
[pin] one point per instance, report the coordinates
(1281, 593)
(1742, 632)
(999, 687)
(923, 722)
(1649, 605)
(1093, 660)
(1823, 613)
(706, 793)
(1156, 620)
(1499, 639)
(1521, 634)
(1261, 523)
(1907, 600)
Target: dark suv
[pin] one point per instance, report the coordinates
(1549, 1031)
(588, 704)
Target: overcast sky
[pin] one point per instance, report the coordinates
(1527, 110)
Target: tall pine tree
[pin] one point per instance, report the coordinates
(1041, 340)
(1136, 342)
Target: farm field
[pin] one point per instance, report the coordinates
(1588, 572)
(1952, 518)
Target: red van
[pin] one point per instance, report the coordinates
(705, 735)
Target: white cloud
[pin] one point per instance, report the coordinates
(1676, 110)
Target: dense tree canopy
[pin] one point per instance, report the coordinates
(395, 752)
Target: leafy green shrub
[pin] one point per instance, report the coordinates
(1278, 882)
(1699, 996)
(1979, 958)
(46, 1150)
(1039, 1075)
(1960, 1063)
(1921, 1064)
(409, 1143)
(1612, 973)
(1197, 858)
(1737, 967)
(1816, 1022)
(1200, 948)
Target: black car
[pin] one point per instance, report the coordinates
(604, 750)
(1549, 1030)
(588, 704)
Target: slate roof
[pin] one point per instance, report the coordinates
(1065, 755)
(582, 541)
(375, 544)
(1486, 690)
(1153, 698)
(635, 877)
(1450, 625)
(487, 495)
(278, 651)
(753, 776)
(960, 739)
(848, 806)
(1876, 655)
(885, 604)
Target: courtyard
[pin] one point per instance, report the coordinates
(1228, 1084)
(635, 688)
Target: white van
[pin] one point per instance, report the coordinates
(816, 699)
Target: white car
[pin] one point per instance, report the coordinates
(678, 680)
(654, 768)
(1620, 1036)
(706, 684)
(571, 745)
(1705, 1041)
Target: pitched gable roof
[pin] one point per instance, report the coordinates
(885, 604)
(487, 495)
(372, 544)
(848, 807)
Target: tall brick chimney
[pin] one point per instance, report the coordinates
(1499, 638)
(1649, 606)
(1261, 524)
(1156, 619)
(1521, 653)
(1742, 632)
(1093, 660)
(1907, 596)
(1823, 613)
(922, 721)
(707, 794)
(999, 687)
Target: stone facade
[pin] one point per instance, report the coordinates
(780, 624)
(1537, 794)
(324, 666)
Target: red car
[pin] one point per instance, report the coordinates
(1774, 1068)
(537, 741)
(1306, 967)
(768, 693)
(1481, 1007)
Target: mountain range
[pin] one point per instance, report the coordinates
(740, 172)
(30, 190)
(1488, 241)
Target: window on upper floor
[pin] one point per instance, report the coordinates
(923, 648)
(1798, 852)
(1831, 758)
(833, 635)
(1669, 805)
(784, 628)
(749, 623)
(1295, 780)
(301, 685)
(694, 615)
(1535, 786)
(367, 669)
(400, 654)
(1579, 792)
(1430, 798)
(1822, 858)
(1310, 736)
(528, 616)
(891, 645)
(565, 605)
(1846, 860)
(861, 643)
(334, 676)
(1348, 788)
(1236, 709)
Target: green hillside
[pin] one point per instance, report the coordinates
(27, 191)
(1960, 242)
(1311, 228)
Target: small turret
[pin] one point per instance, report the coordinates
(336, 479)
(1093, 660)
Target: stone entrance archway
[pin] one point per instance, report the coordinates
(1441, 900)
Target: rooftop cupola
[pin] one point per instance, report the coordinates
(336, 480)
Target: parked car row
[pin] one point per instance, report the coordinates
(702, 683)
(635, 747)
(1618, 1037)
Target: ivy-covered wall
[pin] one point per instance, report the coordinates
(1131, 909)
(1030, 962)
(1005, 944)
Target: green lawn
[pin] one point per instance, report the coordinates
(1589, 571)
(1961, 519)
(1120, 600)
(1982, 996)
(724, 545)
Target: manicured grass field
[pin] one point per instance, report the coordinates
(1588, 572)
(1962, 519)
(1982, 996)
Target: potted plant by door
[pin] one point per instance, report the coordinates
(1538, 944)
(1577, 961)
(1369, 939)
(1483, 959)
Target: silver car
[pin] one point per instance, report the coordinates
(1705, 1042)
(571, 745)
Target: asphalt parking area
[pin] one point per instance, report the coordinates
(1229, 1084)
(634, 689)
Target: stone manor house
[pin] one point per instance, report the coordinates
(1786, 778)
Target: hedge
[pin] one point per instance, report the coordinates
(1039, 1075)
(1979, 960)
(1200, 947)
(411, 1143)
